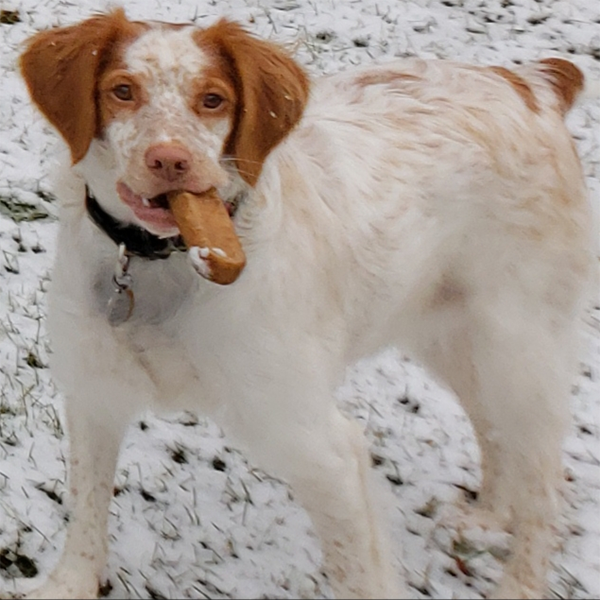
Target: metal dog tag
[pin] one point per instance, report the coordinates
(120, 306)
(122, 301)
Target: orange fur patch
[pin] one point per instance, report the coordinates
(61, 68)
(384, 77)
(520, 86)
(271, 91)
(566, 80)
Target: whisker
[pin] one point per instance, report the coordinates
(234, 159)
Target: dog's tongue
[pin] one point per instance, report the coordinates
(209, 234)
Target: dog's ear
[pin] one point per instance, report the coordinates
(271, 88)
(61, 67)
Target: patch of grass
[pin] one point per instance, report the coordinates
(179, 455)
(377, 460)
(105, 589)
(155, 594)
(9, 17)
(394, 479)
(219, 464)
(429, 509)
(19, 211)
(50, 493)
(34, 362)
(10, 559)
(147, 496)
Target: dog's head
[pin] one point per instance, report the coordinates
(163, 107)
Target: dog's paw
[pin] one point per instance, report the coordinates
(464, 515)
(11, 596)
(70, 585)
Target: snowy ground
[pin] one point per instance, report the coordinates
(190, 517)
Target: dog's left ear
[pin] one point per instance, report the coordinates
(271, 88)
(60, 68)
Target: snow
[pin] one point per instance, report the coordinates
(191, 518)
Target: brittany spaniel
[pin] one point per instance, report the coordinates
(428, 204)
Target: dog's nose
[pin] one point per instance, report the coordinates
(168, 161)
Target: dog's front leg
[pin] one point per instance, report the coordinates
(105, 388)
(94, 446)
(323, 455)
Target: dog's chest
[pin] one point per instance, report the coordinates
(144, 292)
(162, 292)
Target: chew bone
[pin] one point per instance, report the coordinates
(209, 234)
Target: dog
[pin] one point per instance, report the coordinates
(432, 205)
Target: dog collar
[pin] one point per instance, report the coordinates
(132, 240)
(137, 240)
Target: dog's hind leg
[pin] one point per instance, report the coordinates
(511, 371)
(523, 410)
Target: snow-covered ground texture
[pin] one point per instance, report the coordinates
(191, 518)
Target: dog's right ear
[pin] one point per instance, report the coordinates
(61, 67)
(271, 89)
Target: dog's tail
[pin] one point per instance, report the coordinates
(566, 81)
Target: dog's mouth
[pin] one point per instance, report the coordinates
(154, 212)
(159, 201)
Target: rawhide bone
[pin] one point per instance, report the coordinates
(209, 234)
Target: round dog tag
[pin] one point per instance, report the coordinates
(120, 306)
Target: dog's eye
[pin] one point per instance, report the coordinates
(123, 92)
(212, 101)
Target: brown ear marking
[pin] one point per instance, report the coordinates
(61, 68)
(520, 86)
(271, 89)
(565, 78)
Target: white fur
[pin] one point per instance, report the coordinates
(434, 212)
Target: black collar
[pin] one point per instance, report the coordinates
(138, 241)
